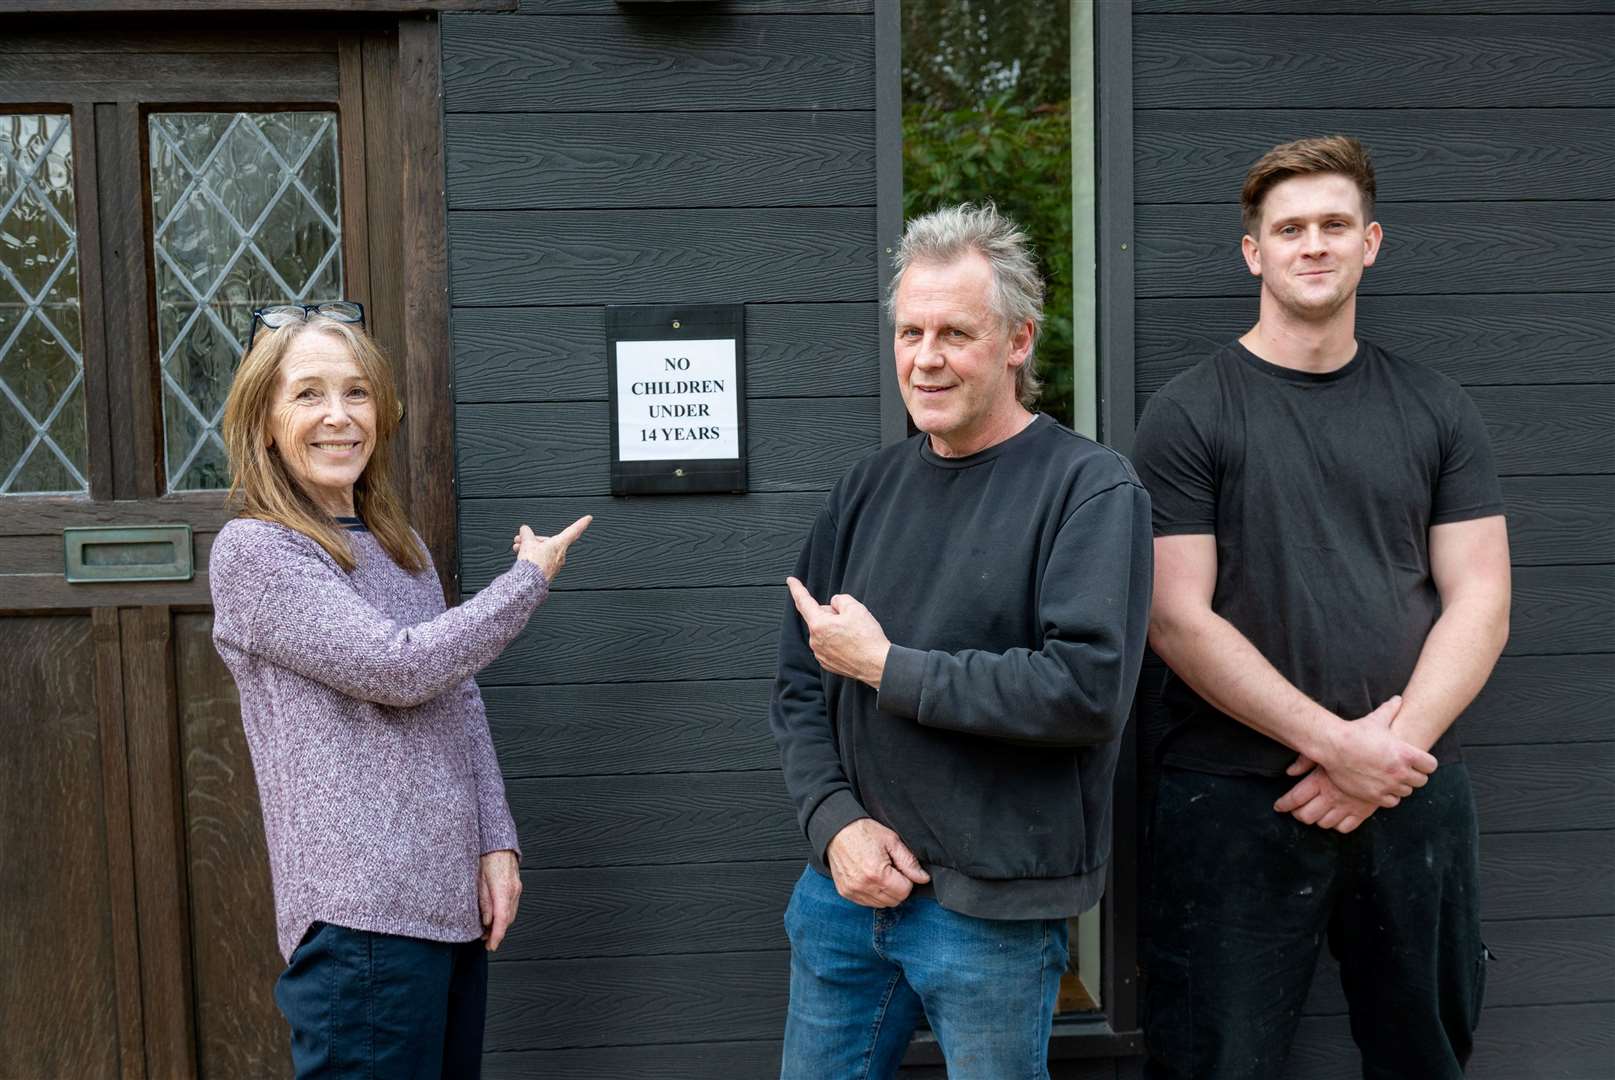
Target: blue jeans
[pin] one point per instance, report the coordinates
(861, 978)
(383, 1007)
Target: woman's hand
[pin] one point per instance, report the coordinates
(548, 553)
(499, 890)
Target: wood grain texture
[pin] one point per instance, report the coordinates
(648, 543)
(1544, 1042)
(693, 62)
(601, 1002)
(1562, 610)
(1546, 875)
(240, 1031)
(734, 1060)
(647, 635)
(524, 451)
(158, 824)
(1477, 340)
(1193, 250)
(547, 354)
(160, 78)
(1415, 61)
(120, 850)
(556, 161)
(677, 819)
(1450, 155)
(1543, 788)
(652, 911)
(1538, 962)
(428, 364)
(502, 257)
(1549, 429)
(630, 728)
(1557, 520)
(58, 999)
(1543, 699)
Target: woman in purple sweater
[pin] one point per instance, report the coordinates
(393, 853)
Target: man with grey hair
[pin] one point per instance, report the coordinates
(957, 662)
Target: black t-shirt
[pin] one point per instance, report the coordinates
(1321, 491)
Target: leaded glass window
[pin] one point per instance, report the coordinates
(42, 436)
(246, 211)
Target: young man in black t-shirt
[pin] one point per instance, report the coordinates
(1331, 591)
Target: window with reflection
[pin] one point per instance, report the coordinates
(246, 212)
(998, 103)
(42, 433)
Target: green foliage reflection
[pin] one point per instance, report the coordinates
(987, 115)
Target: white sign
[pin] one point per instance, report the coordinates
(677, 400)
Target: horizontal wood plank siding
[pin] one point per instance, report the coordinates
(1492, 125)
(600, 153)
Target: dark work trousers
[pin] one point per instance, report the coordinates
(383, 1007)
(1242, 898)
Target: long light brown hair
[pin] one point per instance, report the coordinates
(264, 487)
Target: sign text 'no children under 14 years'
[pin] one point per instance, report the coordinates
(677, 400)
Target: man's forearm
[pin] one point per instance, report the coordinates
(1223, 667)
(1457, 659)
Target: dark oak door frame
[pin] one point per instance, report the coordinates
(383, 76)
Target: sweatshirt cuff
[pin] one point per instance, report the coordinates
(832, 815)
(499, 834)
(901, 682)
(530, 580)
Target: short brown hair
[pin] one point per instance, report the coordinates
(259, 478)
(1304, 157)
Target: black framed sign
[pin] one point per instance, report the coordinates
(678, 398)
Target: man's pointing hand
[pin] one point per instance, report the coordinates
(845, 638)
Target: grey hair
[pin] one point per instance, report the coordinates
(944, 236)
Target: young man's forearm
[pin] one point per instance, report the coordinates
(1454, 664)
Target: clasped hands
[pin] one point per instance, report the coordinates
(1368, 767)
(845, 638)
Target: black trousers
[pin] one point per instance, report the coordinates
(1243, 897)
(383, 1007)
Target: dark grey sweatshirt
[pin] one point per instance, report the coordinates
(1015, 587)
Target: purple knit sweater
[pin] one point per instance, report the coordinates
(378, 779)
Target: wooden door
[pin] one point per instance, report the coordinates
(156, 183)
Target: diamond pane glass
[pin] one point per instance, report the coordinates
(42, 438)
(247, 212)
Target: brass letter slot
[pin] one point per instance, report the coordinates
(146, 553)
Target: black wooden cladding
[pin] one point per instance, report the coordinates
(1463, 155)
(1411, 62)
(502, 162)
(1429, 248)
(1477, 340)
(608, 1001)
(703, 256)
(625, 728)
(1546, 699)
(656, 635)
(564, 450)
(1537, 1042)
(750, 1060)
(649, 635)
(1538, 962)
(623, 911)
(685, 62)
(650, 543)
(548, 354)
